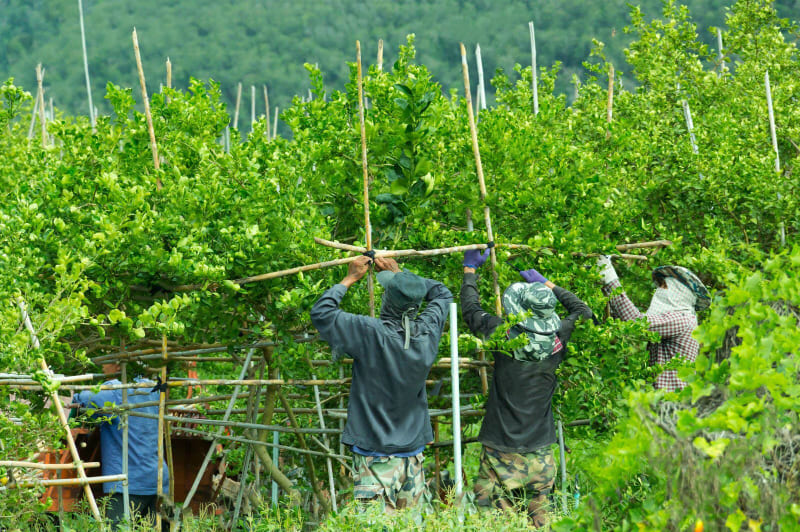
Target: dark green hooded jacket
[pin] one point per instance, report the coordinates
(388, 407)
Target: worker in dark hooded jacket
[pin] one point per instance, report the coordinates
(387, 415)
(517, 431)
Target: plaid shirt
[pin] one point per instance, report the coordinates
(675, 329)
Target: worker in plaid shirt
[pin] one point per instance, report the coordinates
(672, 314)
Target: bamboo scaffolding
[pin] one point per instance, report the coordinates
(236, 109)
(47, 467)
(40, 96)
(534, 72)
(92, 117)
(148, 116)
(212, 447)
(365, 171)
(227, 423)
(62, 418)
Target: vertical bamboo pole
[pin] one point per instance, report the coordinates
(367, 226)
(62, 418)
(774, 137)
(266, 106)
(146, 100)
(40, 96)
(236, 109)
(33, 116)
(456, 398)
(275, 123)
(92, 115)
(380, 54)
(610, 105)
(563, 458)
(486, 214)
(252, 106)
(721, 55)
(169, 77)
(534, 72)
(687, 115)
(162, 398)
(126, 498)
(481, 101)
(437, 478)
(479, 169)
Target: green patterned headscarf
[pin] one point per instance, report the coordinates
(541, 327)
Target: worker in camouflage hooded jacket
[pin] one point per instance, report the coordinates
(388, 424)
(679, 295)
(518, 430)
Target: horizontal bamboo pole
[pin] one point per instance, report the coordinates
(66, 482)
(644, 245)
(47, 467)
(73, 378)
(236, 424)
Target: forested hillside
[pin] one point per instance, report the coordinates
(267, 42)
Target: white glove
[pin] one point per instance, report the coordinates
(607, 271)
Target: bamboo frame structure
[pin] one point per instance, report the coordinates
(146, 101)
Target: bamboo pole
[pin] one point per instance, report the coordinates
(479, 169)
(146, 101)
(162, 397)
(534, 71)
(302, 441)
(266, 107)
(456, 399)
(644, 245)
(365, 170)
(687, 115)
(380, 54)
(33, 116)
(252, 106)
(481, 103)
(610, 105)
(40, 96)
(85, 482)
(328, 463)
(774, 137)
(47, 467)
(169, 78)
(721, 55)
(563, 459)
(126, 497)
(275, 123)
(236, 109)
(92, 117)
(62, 418)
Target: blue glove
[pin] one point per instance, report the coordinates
(532, 276)
(473, 258)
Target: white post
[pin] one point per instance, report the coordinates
(774, 144)
(275, 441)
(92, 115)
(252, 106)
(456, 398)
(534, 74)
(721, 55)
(687, 114)
(481, 103)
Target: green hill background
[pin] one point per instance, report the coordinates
(267, 42)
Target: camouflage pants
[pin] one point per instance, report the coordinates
(506, 480)
(398, 482)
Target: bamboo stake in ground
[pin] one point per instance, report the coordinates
(722, 65)
(275, 123)
(610, 106)
(380, 54)
(126, 498)
(774, 137)
(62, 418)
(169, 77)
(481, 100)
(252, 106)
(92, 117)
(266, 106)
(367, 226)
(534, 73)
(162, 398)
(146, 101)
(40, 96)
(479, 169)
(236, 109)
